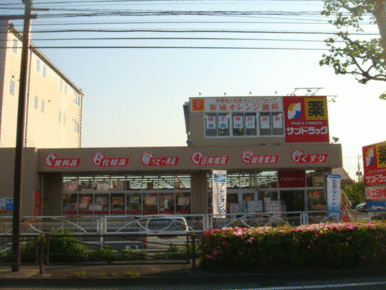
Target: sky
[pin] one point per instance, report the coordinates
(134, 96)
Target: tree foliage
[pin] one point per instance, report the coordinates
(355, 191)
(365, 59)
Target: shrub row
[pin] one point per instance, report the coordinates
(316, 246)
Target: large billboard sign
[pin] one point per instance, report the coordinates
(374, 164)
(306, 119)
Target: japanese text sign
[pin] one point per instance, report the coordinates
(374, 164)
(219, 188)
(306, 119)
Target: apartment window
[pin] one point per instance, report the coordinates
(65, 89)
(64, 118)
(75, 98)
(61, 85)
(74, 126)
(12, 87)
(60, 117)
(36, 102)
(14, 46)
(42, 106)
(38, 65)
(44, 70)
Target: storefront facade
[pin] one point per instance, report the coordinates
(269, 167)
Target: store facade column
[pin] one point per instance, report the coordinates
(199, 195)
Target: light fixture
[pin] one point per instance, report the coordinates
(335, 139)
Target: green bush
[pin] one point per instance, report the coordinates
(104, 253)
(129, 254)
(317, 246)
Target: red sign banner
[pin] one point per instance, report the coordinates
(376, 192)
(198, 158)
(148, 159)
(306, 119)
(298, 156)
(291, 178)
(374, 164)
(99, 160)
(37, 203)
(51, 160)
(250, 158)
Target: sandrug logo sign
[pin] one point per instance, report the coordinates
(250, 158)
(298, 156)
(99, 160)
(51, 160)
(198, 158)
(148, 159)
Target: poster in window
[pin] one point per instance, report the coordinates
(278, 121)
(150, 200)
(118, 185)
(250, 122)
(134, 199)
(71, 185)
(210, 122)
(264, 122)
(101, 202)
(237, 122)
(102, 185)
(85, 201)
(223, 122)
(183, 201)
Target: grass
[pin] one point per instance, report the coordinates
(131, 272)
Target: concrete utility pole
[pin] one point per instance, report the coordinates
(19, 138)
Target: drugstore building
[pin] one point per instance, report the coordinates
(276, 152)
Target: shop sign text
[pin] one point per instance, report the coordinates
(51, 160)
(376, 192)
(298, 156)
(198, 158)
(250, 158)
(99, 160)
(148, 159)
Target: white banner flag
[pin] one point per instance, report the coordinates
(219, 189)
(333, 196)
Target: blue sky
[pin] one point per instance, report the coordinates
(134, 96)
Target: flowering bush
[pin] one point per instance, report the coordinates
(329, 245)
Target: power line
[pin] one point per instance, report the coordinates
(176, 47)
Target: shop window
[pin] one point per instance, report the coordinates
(166, 203)
(316, 200)
(134, 182)
(210, 125)
(315, 178)
(250, 124)
(117, 203)
(150, 182)
(102, 183)
(12, 87)
(182, 182)
(85, 205)
(150, 203)
(238, 124)
(38, 65)
(223, 124)
(101, 205)
(117, 183)
(233, 205)
(233, 180)
(134, 203)
(70, 203)
(14, 45)
(166, 182)
(277, 124)
(70, 184)
(86, 184)
(265, 124)
(265, 179)
(183, 202)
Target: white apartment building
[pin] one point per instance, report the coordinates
(53, 113)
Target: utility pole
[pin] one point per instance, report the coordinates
(359, 172)
(19, 138)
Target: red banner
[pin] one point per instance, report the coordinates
(374, 164)
(306, 119)
(291, 178)
(37, 203)
(376, 192)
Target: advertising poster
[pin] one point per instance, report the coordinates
(278, 121)
(223, 122)
(306, 119)
(6, 205)
(374, 164)
(237, 122)
(210, 122)
(264, 122)
(250, 122)
(333, 197)
(376, 192)
(219, 188)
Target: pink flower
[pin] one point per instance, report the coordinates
(241, 253)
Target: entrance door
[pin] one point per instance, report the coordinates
(293, 199)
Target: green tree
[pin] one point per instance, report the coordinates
(355, 191)
(364, 59)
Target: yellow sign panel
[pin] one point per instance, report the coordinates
(315, 108)
(198, 105)
(381, 155)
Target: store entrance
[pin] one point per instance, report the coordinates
(293, 200)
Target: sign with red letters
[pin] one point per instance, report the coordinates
(51, 160)
(99, 160)
(198, 158)
(249, 157)
(148, 159)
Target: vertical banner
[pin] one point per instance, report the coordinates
(219, 188)
(37, 203)
(333, 197)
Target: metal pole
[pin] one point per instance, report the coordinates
(19, 139)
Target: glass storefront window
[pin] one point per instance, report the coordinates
(101, 205)
(223, 124)
(316, 200)
(166, 181)
(182, 182)
(117, 183)
(134, 182)
(134, 203)
(233, 203)
(117, 202)
(150, 182)
(183, 202)
(166, 203)
(315, 178)
(70, 203)
(86, 183)
(102, 183)
(150, 203)
(70, 183)
(85, 205)
(233, 180)
(265, 179)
